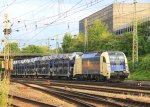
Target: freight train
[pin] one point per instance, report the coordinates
(93, 66)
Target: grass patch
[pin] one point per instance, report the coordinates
(140, 75)
(143, 70)
(4, 91)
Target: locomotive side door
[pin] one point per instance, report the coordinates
(104, 65)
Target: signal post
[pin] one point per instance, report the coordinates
(7, 63)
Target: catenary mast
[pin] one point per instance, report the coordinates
(135, 37)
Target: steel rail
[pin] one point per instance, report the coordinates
(117, 91)
(66, 97)
(125, 102)
(26, 100)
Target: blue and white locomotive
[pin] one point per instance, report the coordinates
(101, 66)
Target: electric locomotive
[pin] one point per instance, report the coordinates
(101, 66)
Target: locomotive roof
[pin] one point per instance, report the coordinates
(91, 55)
(115, 53)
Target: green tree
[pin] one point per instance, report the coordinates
(145, 62)
(125, 43)
(143, 34)
(73, 43)
(67, 43)
(144, 30)
(78, 43)
(44, 49)
(32, 49)
(14, 48)
(99, 38)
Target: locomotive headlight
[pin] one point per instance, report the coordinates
(127, 68)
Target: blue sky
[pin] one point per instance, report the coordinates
(37, 20)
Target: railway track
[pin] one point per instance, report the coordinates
(13, 105)
(117, 102)
(79, 99)
(93, 83)
(105, 89)
(122, 102)
(116, 90)
(109, 84)
(29, 101)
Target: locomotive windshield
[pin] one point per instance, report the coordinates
(116, 58)
(117, 61)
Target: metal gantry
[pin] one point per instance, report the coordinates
(135, 37)
(6, 44)
(8, 62)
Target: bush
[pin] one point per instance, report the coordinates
(140, 75)
(145, 63)
(143, 70)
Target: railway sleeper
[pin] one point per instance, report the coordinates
(128, 102)
(60, 95)
(84, 96)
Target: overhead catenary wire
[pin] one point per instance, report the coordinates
(72, 22)
(64, 12)
(67, 16)
(7, 7)
(43, 39)
(138, 11)
(40, 31)
(39, 27)
(55, 21)
(47, 26)
(23, 1)
(50, 25)
(45, 4)
(16, 2)
(69, 10)
(33, 21)
(115, 17)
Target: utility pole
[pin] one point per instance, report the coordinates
(7, 63)
(135, 37)
(85, 36)
(57, 44)
(6, 45)
(48, 42)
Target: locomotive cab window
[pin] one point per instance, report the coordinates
(104, 59)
